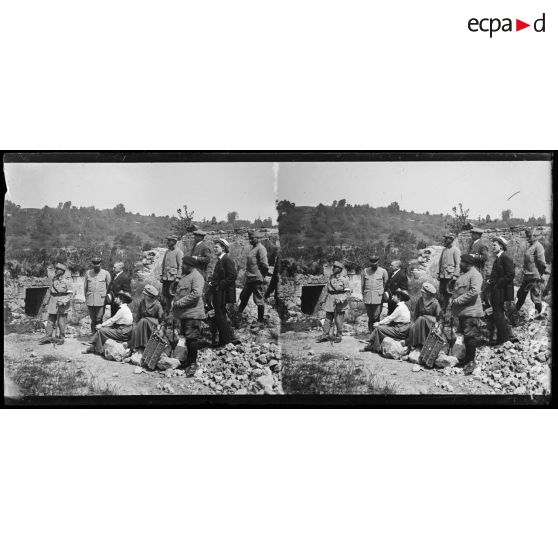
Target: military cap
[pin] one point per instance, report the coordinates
(189, 260)
(403, 295)
(338, 264)
(449, 235)
(468, 258)
(501, 241)
(223, 243)
(172, 237)
(477, 230)
(96, 260)
(150, 290)
(60, 266)
(124, 296)
(374, 258)
(199, 232)
(428, 288)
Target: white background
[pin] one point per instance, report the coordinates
(276, 75)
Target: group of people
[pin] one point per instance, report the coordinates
(188, 296)
(464, 291)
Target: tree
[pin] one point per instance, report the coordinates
(119, 210)
(506, 214)
(460, 219)
(232, 216)
(183, 223)
(393, 207)
(487, 218)
(214, 220)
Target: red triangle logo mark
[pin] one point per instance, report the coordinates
(519, 25)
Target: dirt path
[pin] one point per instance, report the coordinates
(400, 373)
(120, 377)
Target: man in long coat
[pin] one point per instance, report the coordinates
(171, 271)
(373, 280)
(534, 267)
(188, 308)
(501, 288)
(466, 306)
(201, 252)
(398, 280)
(223, 289)
(96, 285)
(448, 270)
(257, 269)
(120, 282)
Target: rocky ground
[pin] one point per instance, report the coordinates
(251, 367)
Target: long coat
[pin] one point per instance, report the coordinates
(397, 280)
(502, 275)
(479, 250)
(120, 283)
(96, 287)
(336, 287)
(188, 300)
(373, 285)
(202, 252)
(224, 278)
(60, 296)
(466, 301)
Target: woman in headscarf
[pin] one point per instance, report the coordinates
(336, 303)
(427, 313)
(149, 315)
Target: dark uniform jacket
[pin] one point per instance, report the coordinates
(202, 252)
(502, 275)
(479, 250)
(120, 283)
(224, 278)
(397, 280)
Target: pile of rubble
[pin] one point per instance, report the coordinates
(247, 368)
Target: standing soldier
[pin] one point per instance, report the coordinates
(398, 280)
(534, 266)
(58, 306)
(335, 303)
(96, 287)
(171, 271)
(466, 306)
(478, 249)
(254, 276)
(187, 307)
(448, 270)
(373, 281)
(201, 252)
(501, 289)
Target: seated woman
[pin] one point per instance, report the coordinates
(150, 314)
(119, 327)
(427, 313)
(395, 325)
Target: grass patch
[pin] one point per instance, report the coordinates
(329, 375)
(52, 377)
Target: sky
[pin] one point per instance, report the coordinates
(210, 189)
(482, 187)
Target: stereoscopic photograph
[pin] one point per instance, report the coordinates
(140, 279)
(416, 277)
(355, 278)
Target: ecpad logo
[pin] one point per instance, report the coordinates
(493, 25)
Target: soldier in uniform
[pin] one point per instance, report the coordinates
(373, 281)
(171, 271)
(256, 271)
(479, 249)
(335, 303)
(188, 308)
(466, 306)
(96, 286)
(58, 306)
(448, 270)
(201, 252)
(534, 266)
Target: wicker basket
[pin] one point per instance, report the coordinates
(155, 346)
(432, 347)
